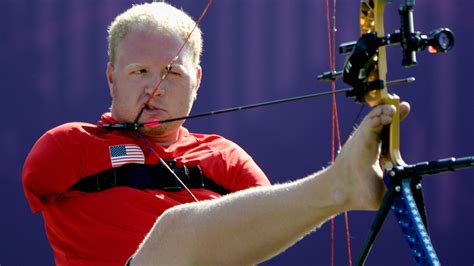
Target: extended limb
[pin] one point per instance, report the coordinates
(251, 226)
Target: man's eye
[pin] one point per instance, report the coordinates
(140, 71)
(174, 73)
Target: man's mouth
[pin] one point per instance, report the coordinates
(152, 110)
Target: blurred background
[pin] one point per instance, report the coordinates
(53, 59)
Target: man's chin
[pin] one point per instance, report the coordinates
(153, 131)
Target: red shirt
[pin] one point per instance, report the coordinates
(105, 228)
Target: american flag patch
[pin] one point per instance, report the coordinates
(128, 153)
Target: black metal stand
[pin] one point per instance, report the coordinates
(405, 197)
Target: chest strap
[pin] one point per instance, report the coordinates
(148, 176)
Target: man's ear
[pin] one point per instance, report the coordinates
(198, 80)
(110, 80)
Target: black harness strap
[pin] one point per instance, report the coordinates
(148, 176)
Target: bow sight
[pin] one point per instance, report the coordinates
(363, 52)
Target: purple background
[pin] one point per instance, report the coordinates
(53, 59)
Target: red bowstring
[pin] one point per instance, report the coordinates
(335, 130)
(332, 120)
(168, 69)
(173, 61)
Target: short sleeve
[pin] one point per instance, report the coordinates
(250, 175)
(233, 167)
(52, 166)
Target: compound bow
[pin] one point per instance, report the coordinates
(366, 71)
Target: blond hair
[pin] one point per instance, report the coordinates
(159, 16)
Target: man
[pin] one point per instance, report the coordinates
(99, 201)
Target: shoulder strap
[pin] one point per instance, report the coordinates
(148, 176)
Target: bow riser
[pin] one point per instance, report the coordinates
(371, 20)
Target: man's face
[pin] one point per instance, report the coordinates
(142, 58)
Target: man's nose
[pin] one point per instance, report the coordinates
(155, 87)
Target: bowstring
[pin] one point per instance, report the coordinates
(174, 59)
(157, 86)
(335, 129)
